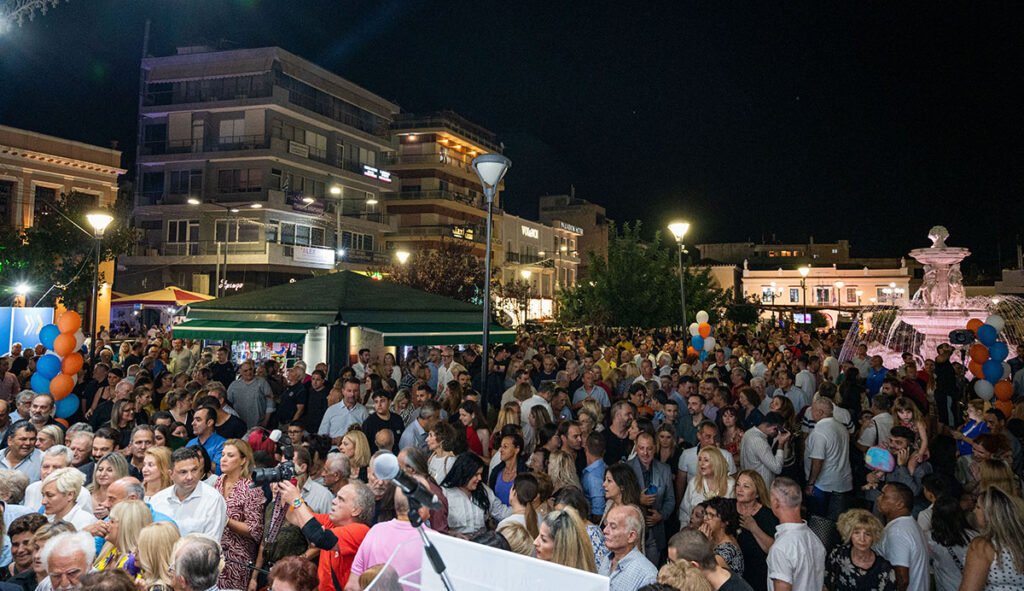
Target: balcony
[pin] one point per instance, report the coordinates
(471, 232)
(223, 144)
(445, 195)
(446, 120)
(430, 160)
(529, 259)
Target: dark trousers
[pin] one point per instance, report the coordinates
(829, 505)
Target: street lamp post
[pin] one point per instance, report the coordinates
(679, 230)
(774, 294)
(803, 287)
(99, 222)
(491, 168)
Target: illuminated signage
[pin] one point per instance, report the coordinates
(464, 232)
(376, 173)
(530, 232)
(570, 228)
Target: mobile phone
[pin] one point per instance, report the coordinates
(651, 490)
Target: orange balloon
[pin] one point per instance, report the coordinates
(704, 330)
(61, 385)
(72, 364)
(1004, 390)
(64, 343)
(1004, 405)
(974, 324)
(62, 421)
(979, 353)
(975, 368)
(69, 321)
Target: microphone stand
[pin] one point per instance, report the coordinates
(248, 564)
(435, 557)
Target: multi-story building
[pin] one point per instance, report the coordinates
(544, 256)
(256, 167)
(583, 216)
(440, 196)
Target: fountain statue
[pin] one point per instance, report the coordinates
(939, 306)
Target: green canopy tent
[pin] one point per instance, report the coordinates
(286, 313)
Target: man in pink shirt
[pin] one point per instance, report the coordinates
(397, 536)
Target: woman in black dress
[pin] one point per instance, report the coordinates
(854, 566)
(757, 527)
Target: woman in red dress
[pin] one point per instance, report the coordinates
(472, 418)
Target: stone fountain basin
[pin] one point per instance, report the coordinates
(940, 256)
(939, 320)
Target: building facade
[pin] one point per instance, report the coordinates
(543, 256)
(588, 218)
(439, 194)
(256, 168)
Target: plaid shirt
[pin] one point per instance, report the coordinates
(632, 571)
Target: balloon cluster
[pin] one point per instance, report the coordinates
(57, 371)
(988, 362)
(701, 341)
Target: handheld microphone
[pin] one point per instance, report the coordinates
(385, 467)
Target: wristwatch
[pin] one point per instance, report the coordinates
(296, 503)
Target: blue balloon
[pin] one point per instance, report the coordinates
(47, 334)
(67, 406)
(998, 351)
(703, 355)
(992, 369)
(40, 384)
(697, 342)
(987, 335)
(48, 365)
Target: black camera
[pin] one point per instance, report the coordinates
(279, 473)
(961, 336)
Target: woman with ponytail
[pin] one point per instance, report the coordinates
(521, 498)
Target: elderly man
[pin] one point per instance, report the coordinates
(337, 469)
(21, 453)
(67, 557)
(248, 395)
(194, 505)
(196, 563)
(827, 463)
(340, 532)
(415, 433)
(627, 568)
(796, 561)
(181, 357)
(130, 489)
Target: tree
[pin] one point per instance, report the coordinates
(514, 298)
(637, 285)
(451, 271)
(54, 252)
(744, 311)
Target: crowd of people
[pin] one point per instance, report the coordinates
(771, 465)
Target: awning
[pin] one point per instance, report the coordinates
(238, 330)
(168, 296)
(436, 334)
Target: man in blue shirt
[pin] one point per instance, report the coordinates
(593, 475)
(876, 375)
(434, 363)
(203, 425)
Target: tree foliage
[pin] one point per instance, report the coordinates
(514, 296)
(637, 285)
(744, 311)
(451, 271)
(53, 252)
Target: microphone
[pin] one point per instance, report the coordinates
(385, 467)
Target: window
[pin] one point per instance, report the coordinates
(317, 145)
(794, 295)
(302, 235)
(179, 231)
(356, 241)
(822, 294)
(240, 180)
(186, 182)
(231, 131)
(368, 157)
(835, 251)
(851, 294)
(237, 231)
(766, 295)
(45, 196)
(6, 202)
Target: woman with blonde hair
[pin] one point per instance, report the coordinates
(562, 470)
(244, 530)
(156, 546)
(995, 559)
(508, 415)
(127, 519)
(519, 540)
(156, 470)
(683, 576)
(562, 539)
(48, 437)
(993, 472)
(757, 526)
(111, 467)
(854, 565)
(355, 445)
(38, 573)
(60, 491)
(712, 480)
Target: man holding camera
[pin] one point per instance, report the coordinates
(338, 534)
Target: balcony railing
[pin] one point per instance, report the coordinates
(446, 195)
(222, 144)
(447, 120)
(429, 160)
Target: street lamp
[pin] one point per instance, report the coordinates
(491, 168)
(402, 255)
(99, 222)
(839, 295)
(774, 293)
(860, 292)
(803, 286)
(678, 230)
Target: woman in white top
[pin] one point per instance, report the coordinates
(60, 490)
(947, 543)
(995, 559)
(391, 369)
(54, 458)
(521, 498)
(470, 501)
(712, 480)
(441, 443)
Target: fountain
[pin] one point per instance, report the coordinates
(939, 306)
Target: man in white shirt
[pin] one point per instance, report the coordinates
(827, 463)
(861, 360)
(446, 371)
(195, 506)
(805, 378)
(903, 544)
(756, 447)
(796, 561)
(524, 410)
(339, 417)
(875, 431)
(707, 436)
(363, 365)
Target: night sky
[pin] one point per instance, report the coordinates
(870, 122)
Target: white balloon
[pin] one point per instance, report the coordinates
(702, 317)
(709, 344)
(74, 378)
(1006, 371)
(996, 321)
(694, 329)
(984, 389)
(79, 340)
